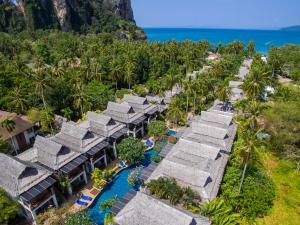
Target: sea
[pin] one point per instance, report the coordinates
(264, 39)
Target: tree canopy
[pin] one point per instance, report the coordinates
(131, 150)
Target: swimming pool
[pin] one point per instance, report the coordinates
(119, 186)
(172, 132)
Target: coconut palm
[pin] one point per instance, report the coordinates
(129, 73)
(116, 71)
(219, 213)
(189, 90)
(9, 125)
(17, 100)
(175, 113)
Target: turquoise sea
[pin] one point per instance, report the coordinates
(264, 39)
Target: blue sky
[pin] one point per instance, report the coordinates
(259, 14)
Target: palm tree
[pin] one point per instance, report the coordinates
(129, 73)
(250, 147)
(80, 97)
(17, 101)
(9, 125)
(175, 113)
(189, 90)
(219, 213)
(115, 71)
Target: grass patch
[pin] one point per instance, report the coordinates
(286, 210)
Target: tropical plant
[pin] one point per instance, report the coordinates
(8, 208)
(9, 125)
(165, 188)
(108, 204)
(109, 219)
(131, 150)
(219, 212)
(78, 219)
(175, 113)
(157, 128)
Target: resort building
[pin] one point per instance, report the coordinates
(63, 162)
(176, 90)
(29, 183)
(158, 101)
(138, 208)
(124, 113)
(195, 74)
(85, 142)
(141, 105)
(22, 136)
(107, 127)
(195, 165)
(214, 129)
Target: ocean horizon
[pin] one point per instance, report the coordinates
(264, 39)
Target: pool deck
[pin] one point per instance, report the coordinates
(93, 192)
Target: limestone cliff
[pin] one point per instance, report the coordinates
(81, 16)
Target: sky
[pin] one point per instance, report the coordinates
(248, 14)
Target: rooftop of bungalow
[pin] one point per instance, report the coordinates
(52, 155)
(224, 108)
(213, 129)
(146, 209)
(141, 104)
(80, 139)
(18, 176)
(168, 95)
(194, 165)
(103, 125)
(124, 113)
(22, 123)
(194, 74)
(235, 84)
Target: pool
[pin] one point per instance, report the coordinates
(119, 186)
(172, 132)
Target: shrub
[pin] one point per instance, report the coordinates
(8, 208)
(78, 219)
(108, 204)
(165, 188)
(157, 128)
(140, 90)
(131, 150)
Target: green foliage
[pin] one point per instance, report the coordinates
(165, 188)
(108, 204)
(99, 95)
(283, 123)
(8, 208)
(78, 219)
(109, 219)
(4, 146)
(219, 213)
(140, 90)
(120, 93)
(45, 117)
(131, 150)
(100, 178)
(157, 128)
(285, 61)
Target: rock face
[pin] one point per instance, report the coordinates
(67, 15)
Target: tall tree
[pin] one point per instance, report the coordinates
(9, 125)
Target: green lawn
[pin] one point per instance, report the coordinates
(286, 210)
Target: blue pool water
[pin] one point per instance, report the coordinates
(171, 132)
(264, 39)
(119, 186)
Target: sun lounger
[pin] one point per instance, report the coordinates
(87, 198)
(149, 143)
(81, 203)
(122, 164)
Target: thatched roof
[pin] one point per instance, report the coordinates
(48, 152)
(122, 112)
(235, 84)
(194, 165)
(101, 124)
(140, 104)
(18, 176)
(145, 209)
(22, 123)
(77, 138)
(216, 117)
